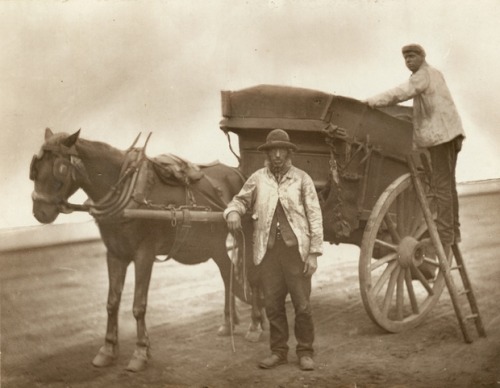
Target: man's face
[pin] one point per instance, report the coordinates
(413, 61)
(277, 157)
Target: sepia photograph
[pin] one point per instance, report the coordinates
(267, 193)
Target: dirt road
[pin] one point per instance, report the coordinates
(53, 317)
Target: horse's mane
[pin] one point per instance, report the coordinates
(97, 148)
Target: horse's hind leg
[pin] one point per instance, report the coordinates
(117, 270)
(259, 321)
(143, 268)
(230, 314)
(258, 316)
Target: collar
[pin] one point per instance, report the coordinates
(422, 67)
(284, 172)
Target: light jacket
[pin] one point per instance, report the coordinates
(299, 199)
(435, 117)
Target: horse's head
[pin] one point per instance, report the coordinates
(54, 170)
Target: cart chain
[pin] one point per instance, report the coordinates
(341, 225)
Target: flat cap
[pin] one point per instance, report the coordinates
(413, 48)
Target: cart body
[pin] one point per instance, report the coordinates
(337, 137)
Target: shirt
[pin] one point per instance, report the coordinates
(435, 117)
(298, 197)
(280, 225)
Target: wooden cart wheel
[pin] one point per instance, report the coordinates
(399, 274)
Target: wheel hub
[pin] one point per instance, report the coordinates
(410, 252)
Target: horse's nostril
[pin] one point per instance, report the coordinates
(45, 217)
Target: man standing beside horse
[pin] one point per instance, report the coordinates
(287, 239)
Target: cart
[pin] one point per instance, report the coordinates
(374, 188)
(375, 192)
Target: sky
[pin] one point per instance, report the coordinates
(118, 68)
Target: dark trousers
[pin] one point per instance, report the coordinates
(282, 273)
(444, 162)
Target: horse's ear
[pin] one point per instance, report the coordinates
(48, 133)
(71, 140)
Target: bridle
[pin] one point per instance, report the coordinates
(64, 169)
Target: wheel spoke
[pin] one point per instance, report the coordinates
(400, 294)
(392, 228)
(417, 218)
(411, 292)
(400, 212)
(423, 280)
(431, 262)
(386, 259)
(417, 215)
(421, 229)
(383, 278)
(390, 290)
(386, 244)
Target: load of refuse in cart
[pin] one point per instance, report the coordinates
(351, 151)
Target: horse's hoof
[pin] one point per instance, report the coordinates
(254, 334)
(105, 357)
(139, 361)
(224, 330)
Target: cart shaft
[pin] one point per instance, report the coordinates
(175, 215)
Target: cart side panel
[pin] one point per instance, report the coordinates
(388, 134)
(382, 171)
(362, 178)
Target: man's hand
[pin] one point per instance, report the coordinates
(310, 265)
(233, 221)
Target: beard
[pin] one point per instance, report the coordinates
(279, 170)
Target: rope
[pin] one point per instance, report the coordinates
(231, 147)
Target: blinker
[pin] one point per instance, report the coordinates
(61, 169)
(35, 157)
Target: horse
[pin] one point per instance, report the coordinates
(117, 180)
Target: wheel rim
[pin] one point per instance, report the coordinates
(395, 258)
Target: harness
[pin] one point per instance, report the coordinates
(121, 193)
(130, 189)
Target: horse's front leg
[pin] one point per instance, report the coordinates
(117, 269)
(143, 267)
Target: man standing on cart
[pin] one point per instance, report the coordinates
(438, 128)
(287, 239)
